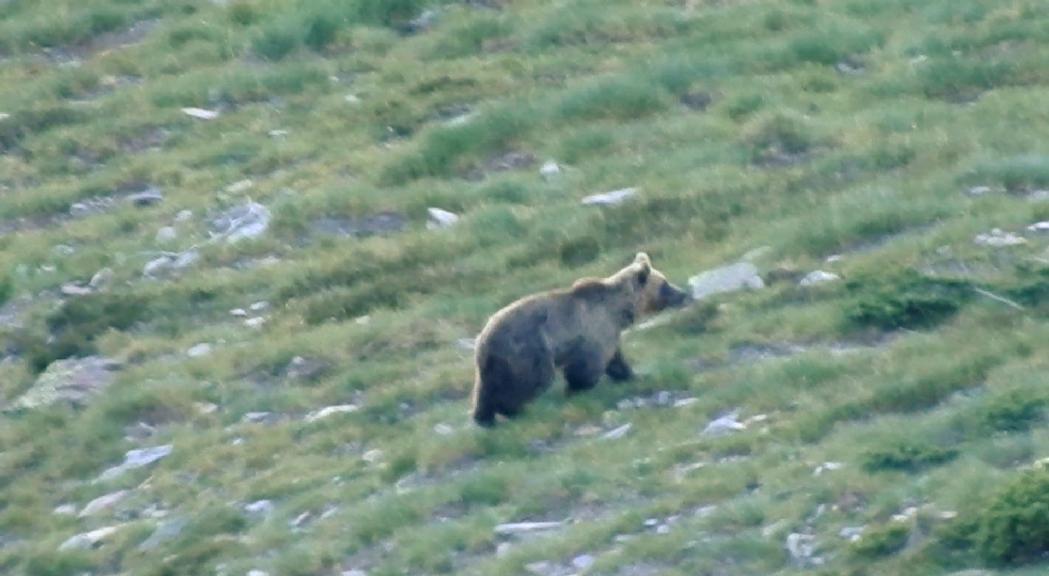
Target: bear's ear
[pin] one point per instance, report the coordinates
(644, 268)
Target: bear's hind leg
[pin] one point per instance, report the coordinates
(618, 369)
(583, 371)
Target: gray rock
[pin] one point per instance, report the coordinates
(612, 198)
(139, 458)
(996, 238)
(165, 532)
(278, 133)
(170, 263)
(1039, 196)
(89, 540)
(73, 289)
(259, 507)
(422, 22)
(245, 222)
(63, 250)
(817, 277)
(801, 547)
(731, 278)
(354, 572)
(256, 322)
(183, 216)
(73, 380)
(166, 235)
(102, 279)
(980, 190)
(200, 113)
(583, 561)
(65, 510)
(199, 350)
(1042, 226)
(240, 186)
(149, 197)
(723, 425)
(331, 410)
(852, 533)
(257, 573)
(512, 528)
(257, 417)
(239, 313)
(103, 503)
(549, 170)
(259, 306)
(827, 467)
(438, 218)
(617, 433)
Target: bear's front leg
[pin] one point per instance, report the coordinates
(583, 371)
(618, 369)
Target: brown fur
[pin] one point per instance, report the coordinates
(575, 329)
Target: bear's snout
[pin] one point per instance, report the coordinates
(671, 296)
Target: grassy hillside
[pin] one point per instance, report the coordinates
(891, 421)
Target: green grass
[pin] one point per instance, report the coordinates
(850, 129)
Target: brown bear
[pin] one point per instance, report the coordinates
(576, 330)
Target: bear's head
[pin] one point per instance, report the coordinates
(653, 292)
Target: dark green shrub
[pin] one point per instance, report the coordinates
(1013, 411)
(908, 300)
(21, 124)
(618, 98)
(906, 455)
(76, 324)
(882, 541)
(1014, 527)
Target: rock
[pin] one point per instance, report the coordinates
(651, 522)
(200, 113)
(467, 344)
(205, 408)
(503, 549)
(149, 197)
(617, 433)
(103, 503)
(300, 368)
(663, 529)
(183, 216)
(278, 133)
(852, 533)
(259, 507)
(259, 306)
(199, 350)
(102, 279)
(438, 218)
(73, 289)
(817, 277)
(1039, 196)
(726, 424)
(170, 262)
(443, 429)
(801, 547)
(352, 99)
(972, 572)
(139, 458)
(996, 238)
(256, 322)
(63, 250)
(165, 532)
(73, 380)
(247, 221)
(980, 190)
(1042, 226)
(513, 528)
(772, 529)
(166, 235)
(422, 22)
(610, 198)
(697, 100)
(549, 170)
(89, 540)
(239, 313)
(329, 411)
(65, 510)
(540, 568)
(827, 467)
(681, 403)
(372, 456)
(731, 278)
(257, 573)
(583, 561)
(354, 572)
(257, 417)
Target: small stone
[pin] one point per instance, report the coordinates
(503, 549)
(256, 417)
(827, 467)
(137, 459)
(726, 424)
(352, 99)
(980, 190)
(834, 258)
(948, 515)
(612, 198)
(1042, 226)
(549, 170)
(89, 540)
(817, 277)
(101, 279)
(200, 113)
(205, 408)
(257, 573)
(146, 198)
(682, 402)
(256, 322)
(166, 235)
(540, 568)
(443, 429)
(184, 216)
(731, 278)
(467, 344)
(801, 547)
(71, 289)
(102, 503)
(662, 529)
(651, 522)
(63, 250)
(199, 350)
(239, 313)
(583, 561)
(617, 433)
(663, 398)
(329, 411)
(996, 238)
(259, 306)
(244, 222)
(65, 510)
(852, 533)
(259, 507)
(278, 133)
(525, 527)
(372, 456)
(299, 520)
(438, 218)
(1039, 196)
